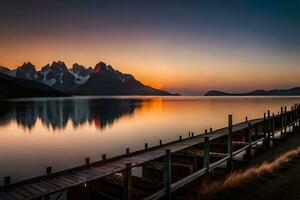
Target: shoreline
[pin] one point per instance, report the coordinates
(282, 183)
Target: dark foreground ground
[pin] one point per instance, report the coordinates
(282, 184)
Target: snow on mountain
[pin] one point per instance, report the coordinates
(80, 79)
(6, 71)
(102, 80)
(27, 71)
(81, 73)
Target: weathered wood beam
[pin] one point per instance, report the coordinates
(229, 143)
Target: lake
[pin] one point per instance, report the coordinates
(61, 132)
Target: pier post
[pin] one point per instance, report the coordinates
(229, 143)
(206, 159)
(273, 125)
(195, 163)
(293, 118)
(285, 122)
(281, 123)
(264, 126)
(180, 138)
(296, 114)
(256, 132)
(292, 114)
(160, 142)
(146, 146)
(87, 161)
(127, 182)
(103, 157)
(248, 139)
(167, 173)
(49, 170)
(7, 180)
(210, 130)
(246, 119)
(269, 126)
(127, 151)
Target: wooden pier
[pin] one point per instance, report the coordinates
(165, 168)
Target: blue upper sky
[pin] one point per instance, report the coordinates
(175, 35)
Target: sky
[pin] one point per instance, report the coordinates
(185, 46)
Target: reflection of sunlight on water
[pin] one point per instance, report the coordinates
(154, 105)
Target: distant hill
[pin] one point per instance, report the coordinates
(12, 87)
(277, 92)
(80, 80)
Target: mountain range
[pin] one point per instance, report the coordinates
(276, 92)
(57, 79)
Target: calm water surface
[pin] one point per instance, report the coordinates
(61, 132)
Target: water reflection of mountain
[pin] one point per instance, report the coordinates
(57, 113)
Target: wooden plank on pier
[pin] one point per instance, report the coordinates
(31, 189)
(16, 195)
(38, 187)
(23, 192)
(6, 196)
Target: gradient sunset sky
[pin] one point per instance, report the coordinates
(182, 46)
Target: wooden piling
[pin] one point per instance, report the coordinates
(285, 121)
(180, 138)
(127, 151)
(292, 113)
(281, 123)
(229, 143)
(246, 119)
(48, 170)
(146, 146)
(273, 125)
(292, 119)
(269, 126)
(248, 140)
(210, 130)
(206, 159)
(103, 156)
(167, 173)
(195, 162)
(127, 182)
(296, 115)
(7, 180)
(265, 125)
(256, 132)
(87, 161)
(160, 142)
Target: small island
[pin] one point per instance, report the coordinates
(276, 92)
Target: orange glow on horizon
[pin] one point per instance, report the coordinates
(181, 67)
